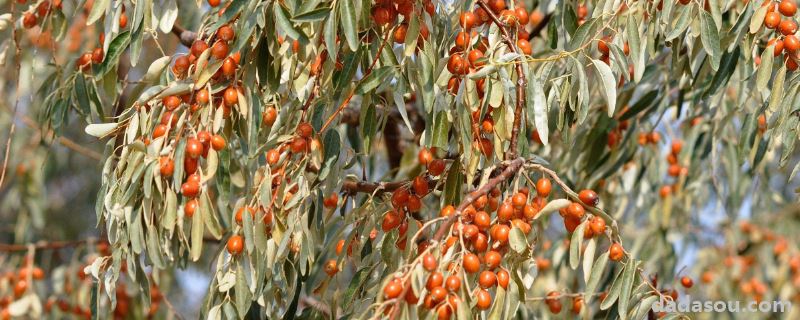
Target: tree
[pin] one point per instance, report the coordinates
(405, 158)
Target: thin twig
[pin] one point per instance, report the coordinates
(522, 82)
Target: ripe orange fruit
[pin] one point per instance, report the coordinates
(166, 166)
(20, 287)
(213, 3)
(190, 208)
(483, 299)
(522, 15)
(505, 212)
(598, 225)
(500, 233)
(198, 47)
(420, 185)
(393, 289)
(391, 220)
(492, 259)
(577, 305)
(482, 220)
(429, 262)
(665, 191)
(269, 116)
(787, 27)
(330, 267)
(519, 199)
(615, 252)
(497, 5)
(787, 8)
(471, 263)
(171, 102)
(400, 197)
(778, 46)
(791, 43)
(525, 46)
(435, 279)
(231, 96)
(217, 142)
(414, 204)
(193, 147)
(123, 21)
(487, 279)
(589, 197)
(235, 244)
(424, 156)
(687, 282)
(772, 19)
(453, 283)
(225, 33)
(190, 189)
(219, 50)
(502, 278)
(305, 130)
(467, 20)
(575, 210)
(240, 218)
(400, 33)
(97, 55)
(480, 243)
(436, 167)
(456, 64)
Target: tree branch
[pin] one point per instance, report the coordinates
(522, 83)
(185, 36)
(510, 170)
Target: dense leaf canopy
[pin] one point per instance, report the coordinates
(402, 158)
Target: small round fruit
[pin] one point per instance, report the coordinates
(787, 27)
(235, 245)
(429, 262)
(452, 283)
(589, 197)
(487, 279)
(436, 167)
(483, 299)
(772, 19)
(687, 282)
(217, 142)
(231, 96)
(543, 187)
(166, 166)
(392, 290)
(424, 156)
(615, 252)
(190, 189)
(471, 263)
(190, 208)
(503, 278)
(305, 130)
(787, 8)
(226, 33)
(331, 268)
(525, 46)
(194, 148)
(791, 43)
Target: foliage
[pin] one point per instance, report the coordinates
(344, 158)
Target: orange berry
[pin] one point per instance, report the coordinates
(471, 263)
(487, 279)
(429, 262)
(235, 245)
(615, 252)
(589, 197)
(503, 278)
(687, 282)
(483, 299)
(330, 267)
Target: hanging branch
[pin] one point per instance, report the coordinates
(522, 82)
